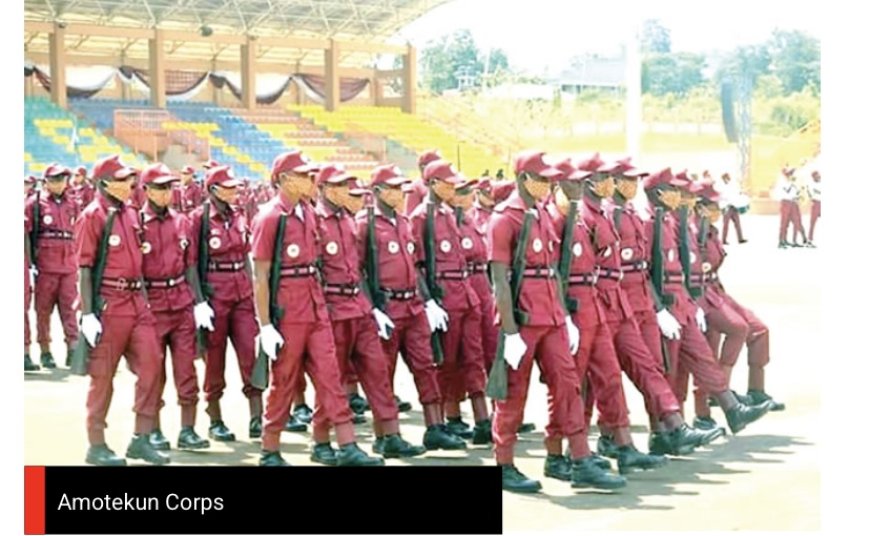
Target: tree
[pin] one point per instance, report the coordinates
(675, 73)
(795, 60)
(455, 57)
(751, 61)
(655, 37)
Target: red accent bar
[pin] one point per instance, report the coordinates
(34, 500)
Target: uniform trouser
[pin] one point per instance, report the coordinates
(27, 291)
(411, 337)
(548, 345)
(757, 343)
(815, 214)
(135, 338)
(359, 352)
(462, 370)
(309, 346)
(692, 353)
(790, 213)
(59, 290)
(176, 330)
(233, 320)
(731, 214)
(488, 327)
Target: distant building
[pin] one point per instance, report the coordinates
(593, 71)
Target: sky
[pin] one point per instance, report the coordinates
(542, 35)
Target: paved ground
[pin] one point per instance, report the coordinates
(768, 478)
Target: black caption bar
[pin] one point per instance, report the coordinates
(253, 500)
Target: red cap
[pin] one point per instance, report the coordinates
(210, 164)
(157, 174)
(470, 182)
(623, 168)
(441, 170)
(388, 174)
(357, 189)
(485, 185)
(188, 170)
(682, 179)
(591, 164)
(56, 170)
(82, 170)
(695, 187)
(333, 174)
(569, 172)
(30, 179)
(707, 192)
(293, 161)
(111, 168)
(659, 178)
(221, 176)
(533, 162)
(428, 157)
(502, 190)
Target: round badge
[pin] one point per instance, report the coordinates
(47, 219)
(114, 240)
(332, 248)
(706, 267)
(411, 248)
(146, 248)
(608, 251)
(445, 246)
(626, 254)
(467, 243)
(214, 242)
(692, 257)
(577, 249)
(537, 245)
(672, 254)
(393, 247)
(292, 251)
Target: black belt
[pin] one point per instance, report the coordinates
(60, 235)
(304, 270)
(122, 283)
(631, 267)
(452, 274)
(540, 272)
(164, 283)
(349, 289)
(400, 295)
(226, 266)
(610, 273)
(477, 267)
(586, 280)
(674, 278)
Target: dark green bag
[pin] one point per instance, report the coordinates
(260, 374)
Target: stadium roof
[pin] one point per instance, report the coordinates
(347, 20)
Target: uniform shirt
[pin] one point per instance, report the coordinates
(83, 194)
(538, 297)
(815, 190)
(416, 196)
(167, 255)
(339, 254)
(786, 190)
(608, 260)
(228, 241)
(480, 216)
(123, 255)
(185, 198)
(138, 199)
(683, 308)
(397, 256)
(301, 298)
(634, 250)
(473, 243)
(55, 245)
(449, 256)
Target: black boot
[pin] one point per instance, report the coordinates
(69, 354)
(630, 459)
(47, 360)
(255, 427)
(558, 467)
(158, 440)
(140, 449)
(606, 447)
(513, 480)
(705, 423)
(459, 428)
(351, 455)
(526, 427)
(783, 245)
(681, 441)
(437, 437)
(584, 473)
(190, 440)
(358, 404)
(29, 365)
(393, 446)
(272, 458)
(378, 445)
(760, 397)
(741, 415)
(403, 406)
(219, 432)
(293, 425)
(103, 455)
(482, 434)
(323, 453)
(303, 413)
(358, 419)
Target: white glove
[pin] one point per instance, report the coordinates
(270, 341)
(573, 335)
(91, 329)
(34, 271)
(203, 316)
(385, 325)
(514, 350)
(436, 315)
(701, 319)
(668, 324)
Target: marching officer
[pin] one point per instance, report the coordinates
(225, 272)
(116, 319)
(522, 239)
(294, 323)
(815, 193)
(417, 191)
(484, 202)
(172, 285)
(788, 192)
(391, 252)
(52, 213)
(81, 189)
(188, 195)
(29, 365)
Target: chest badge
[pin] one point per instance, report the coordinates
(467, 243)
(411, 248)
(577, 249)
(626, 254)
(293, 251)
(332, 248)
(114, 240)
(214, 242)
(445, 246)
(146, 248)
(706, 267)
(537, 245)
(393, 247)
(47, 219)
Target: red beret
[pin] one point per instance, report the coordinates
(441, 170)
(533, 162)
(428, 157)
(221, 176)
(111, 168)
(157, 174)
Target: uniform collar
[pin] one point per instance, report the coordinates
(148, 213)
(287, 206)
(593, 204)
(323, 209)
(107, 202)
(514, 201)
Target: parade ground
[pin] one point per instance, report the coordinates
(767, 478)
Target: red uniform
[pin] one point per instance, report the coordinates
(231, 299)
(397, 254)
(167, 256)
(355, 332)
(305, 327)
(138, 199)
(416, 196)
(463, 352)
(474, 228)
(83, 194)
(544, 334)
(27, 289)
(815, 190)
(56, 262)
(187, 197)
(127, 321)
